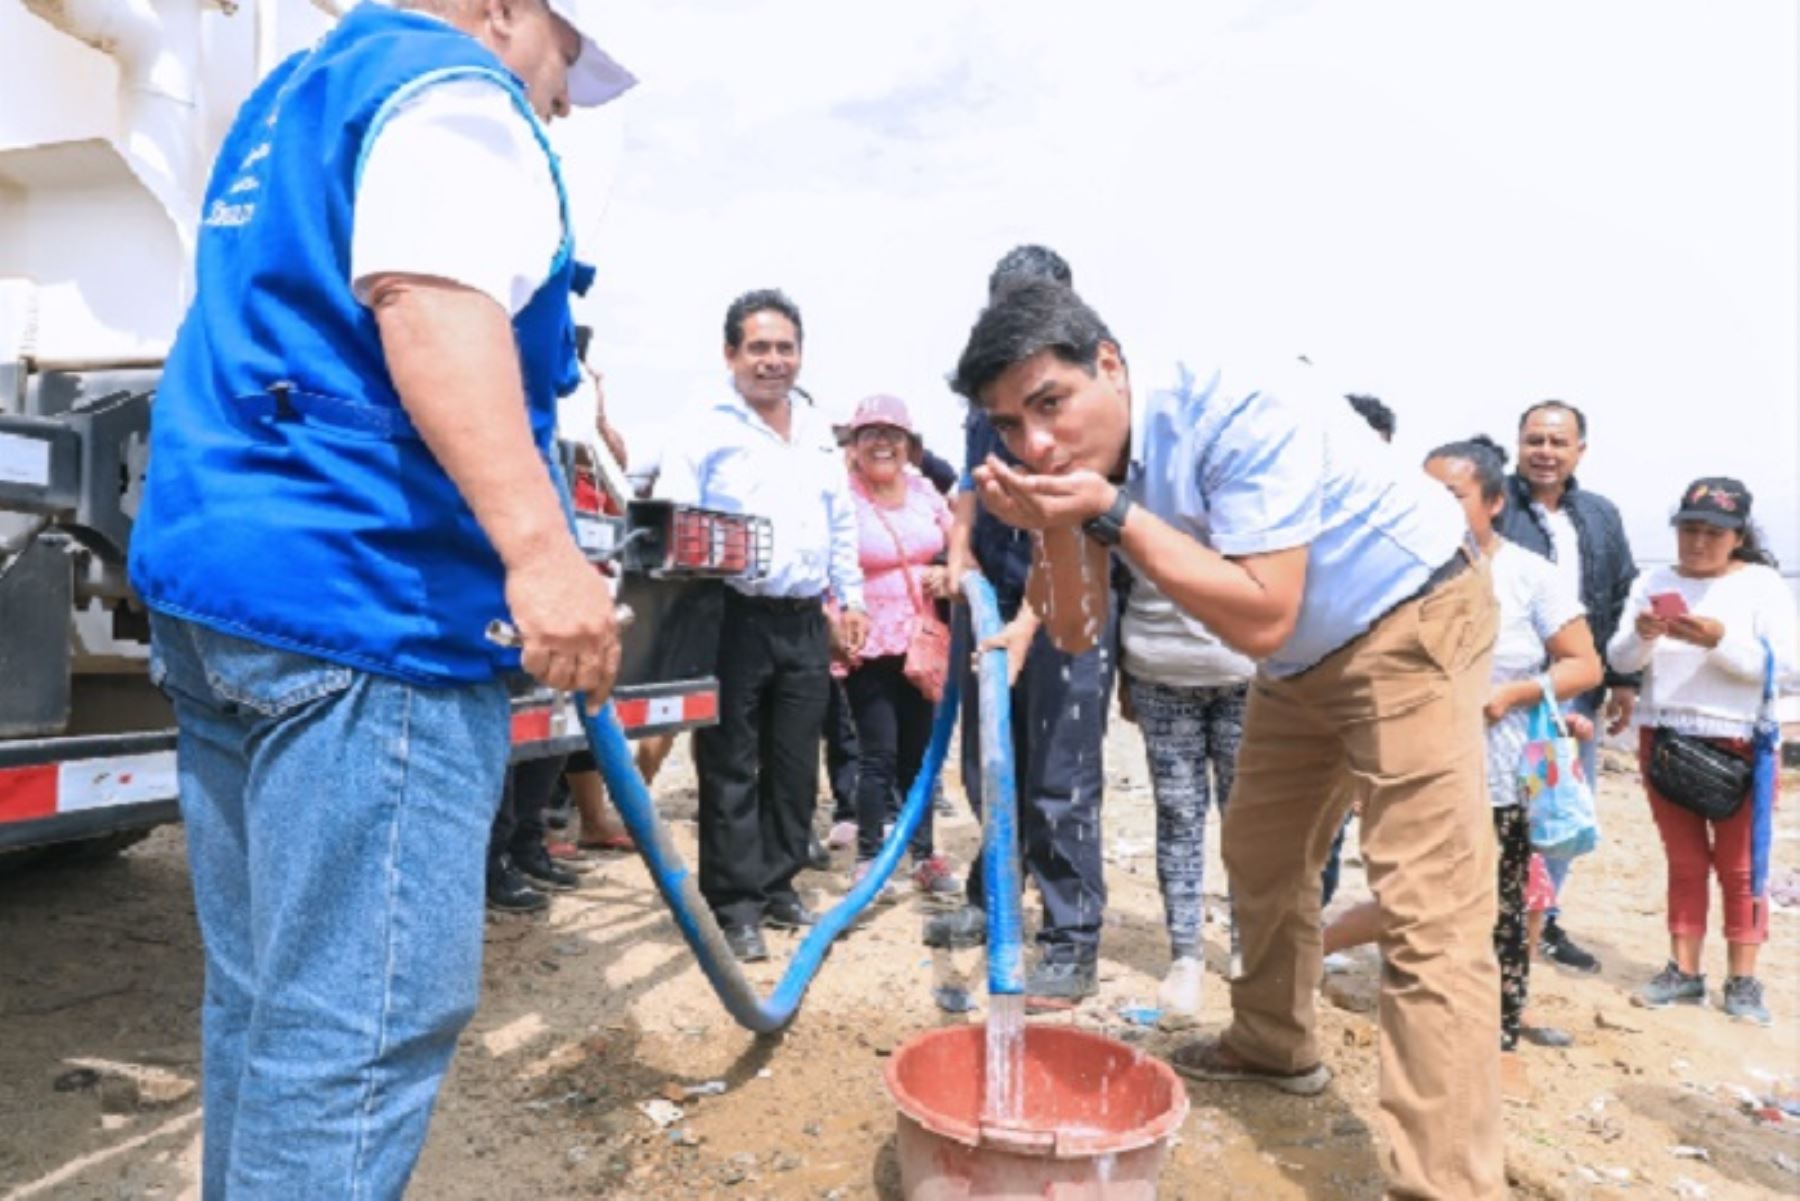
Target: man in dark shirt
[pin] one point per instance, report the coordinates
(1058, 725)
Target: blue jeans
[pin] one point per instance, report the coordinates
(1588, 705)
(337, 823)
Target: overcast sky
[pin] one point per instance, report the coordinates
(1461, 208)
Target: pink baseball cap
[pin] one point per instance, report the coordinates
(881, 410)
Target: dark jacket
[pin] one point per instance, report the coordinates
(1606, 566)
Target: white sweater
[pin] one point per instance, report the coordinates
(1710, 693)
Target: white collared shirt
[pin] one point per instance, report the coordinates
(728, 458)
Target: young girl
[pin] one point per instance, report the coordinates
(1696, 630)
(1543, 632)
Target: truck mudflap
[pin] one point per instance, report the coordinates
(545, 723)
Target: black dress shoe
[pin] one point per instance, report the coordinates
(1559, 948)
(746, 942)
(817, 856)
(788, 914)
(957, 930)
(507, 892)
(544, 872)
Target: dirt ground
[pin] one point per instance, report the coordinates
(596, 1008)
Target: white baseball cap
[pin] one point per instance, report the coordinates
(594, 78)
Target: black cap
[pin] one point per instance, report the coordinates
(1717, 500)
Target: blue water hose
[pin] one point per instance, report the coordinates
(999, 810)
(681, 891)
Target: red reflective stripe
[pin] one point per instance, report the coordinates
(700, 706)
(632, 714)
(531, 725)
(28, 792)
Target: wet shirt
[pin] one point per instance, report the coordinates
(1250, 471)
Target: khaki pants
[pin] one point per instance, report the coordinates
(1393, 719)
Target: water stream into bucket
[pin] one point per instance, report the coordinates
(1004, 1102)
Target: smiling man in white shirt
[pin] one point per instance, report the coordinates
(760, 449)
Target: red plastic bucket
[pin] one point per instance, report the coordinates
(1095, 1122)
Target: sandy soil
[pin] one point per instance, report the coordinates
(596, 1008)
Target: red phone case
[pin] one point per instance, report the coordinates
(1668, 604)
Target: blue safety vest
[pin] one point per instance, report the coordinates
(289, 499)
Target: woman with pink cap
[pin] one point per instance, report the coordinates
(903, 527)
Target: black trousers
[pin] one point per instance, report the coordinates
(519, 822)
(1059, 731)
(841, 753)
(759, 767)
(893, 726)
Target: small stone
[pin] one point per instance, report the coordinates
(1611, 1021)
(577, 1154)
(674, 1093)
(781, 1161)
(812, 1130)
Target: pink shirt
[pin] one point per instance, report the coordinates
(921, 523)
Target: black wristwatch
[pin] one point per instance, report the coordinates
(1109, 527)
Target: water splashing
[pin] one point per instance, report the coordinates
(1004, 1101)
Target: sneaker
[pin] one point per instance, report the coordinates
(1744, 1000)
(933, 875)
(544, 872)
(507, 891)
(957, 930)
(1559, 948)
(1671, 986)
(1180, 991)
(1062, 980)
(842, 836)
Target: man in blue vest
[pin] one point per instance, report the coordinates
(350, 478)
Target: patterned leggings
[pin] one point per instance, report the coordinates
(1512, 828)
(1185, 730)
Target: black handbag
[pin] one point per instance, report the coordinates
(1699, 775)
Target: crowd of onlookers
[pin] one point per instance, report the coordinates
(843, 644)
(839, 650)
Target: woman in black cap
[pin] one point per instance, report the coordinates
(1697, 630)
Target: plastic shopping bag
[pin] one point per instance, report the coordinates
(1552, 786)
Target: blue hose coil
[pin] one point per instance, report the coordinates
(681, 891)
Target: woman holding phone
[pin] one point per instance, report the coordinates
(1697, 630)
